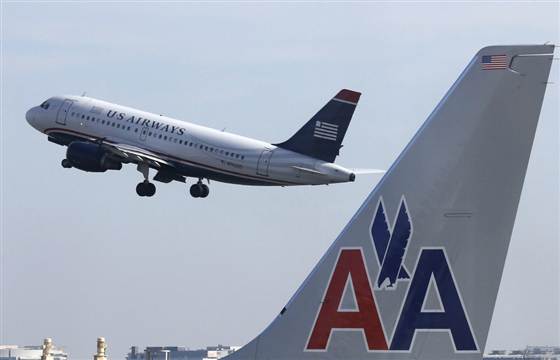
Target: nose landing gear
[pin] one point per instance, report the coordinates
(199, 190)
(66, 164)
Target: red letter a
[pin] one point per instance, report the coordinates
(350, 263)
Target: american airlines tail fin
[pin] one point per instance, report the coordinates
(415, 274)
(321, 137)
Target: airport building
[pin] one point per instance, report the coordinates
(220, 351)
(180, 353)
(530, 352)
(14, 352)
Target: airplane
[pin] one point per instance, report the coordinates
(102, 136)
(415, 273)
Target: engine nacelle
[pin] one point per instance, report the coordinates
(90, 157)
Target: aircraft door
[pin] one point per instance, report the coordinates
(143, 133)
(63, 112)
(264, 162)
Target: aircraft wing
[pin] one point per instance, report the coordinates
(133, 154)
(130, 153)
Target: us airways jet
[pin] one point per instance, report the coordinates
(102, 136)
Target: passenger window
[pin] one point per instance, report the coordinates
(83, 116)
(103, 122)
(136, 130)
(128, 128)
(160, 136)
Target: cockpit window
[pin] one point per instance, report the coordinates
(45, 105)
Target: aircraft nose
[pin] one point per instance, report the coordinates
(30, 116)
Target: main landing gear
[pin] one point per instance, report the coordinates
(66, 164)
(145, 188)
(199, 190)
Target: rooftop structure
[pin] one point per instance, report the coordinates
(33, 352)
(180, 353)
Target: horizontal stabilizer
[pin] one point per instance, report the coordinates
(307, 170)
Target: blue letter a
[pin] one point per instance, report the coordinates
(433, 262)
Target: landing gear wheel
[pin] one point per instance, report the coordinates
(145, 188)
(195, 190)
(66, 164)
(151, 189)
(205, 190)
(199, 190)
(140, 189)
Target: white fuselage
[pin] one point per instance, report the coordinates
(194, 149)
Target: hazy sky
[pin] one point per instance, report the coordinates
(83, 256)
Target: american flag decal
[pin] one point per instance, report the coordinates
(325, 130)
(494, 62)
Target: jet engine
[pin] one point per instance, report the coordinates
(90, 157)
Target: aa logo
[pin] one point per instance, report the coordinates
(390, 244)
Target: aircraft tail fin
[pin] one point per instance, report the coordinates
(321, 137)
(416, 272)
